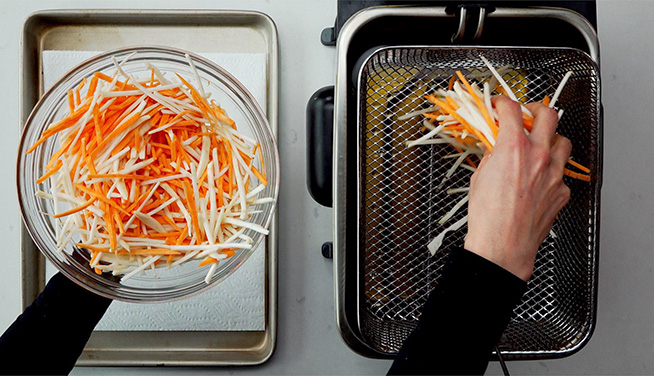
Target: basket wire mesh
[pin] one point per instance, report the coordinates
(402, 195)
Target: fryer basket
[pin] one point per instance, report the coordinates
(402, 194)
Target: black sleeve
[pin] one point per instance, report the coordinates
(462, 319)
(52, 332)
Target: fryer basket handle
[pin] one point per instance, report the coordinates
(320, 136)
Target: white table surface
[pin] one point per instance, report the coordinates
(308, 339)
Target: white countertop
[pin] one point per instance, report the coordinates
(308, 339)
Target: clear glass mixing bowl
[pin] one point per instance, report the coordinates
(168, 284)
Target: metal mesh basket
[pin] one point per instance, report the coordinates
(401, 196)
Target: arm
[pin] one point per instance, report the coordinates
(52, 332)
(515, 195)
(462, 319)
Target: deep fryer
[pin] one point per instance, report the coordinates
(384, 195)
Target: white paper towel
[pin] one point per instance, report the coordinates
(237, 303)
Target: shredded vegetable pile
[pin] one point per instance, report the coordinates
(154, 173)
(462, 116)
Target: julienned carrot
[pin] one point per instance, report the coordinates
(140, 165)
(50, 172)
(207, 261)
(579, 166)
(481, 106)
(75, 210)
(576, 175)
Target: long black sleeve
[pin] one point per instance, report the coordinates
(52, 332)
(462, 319)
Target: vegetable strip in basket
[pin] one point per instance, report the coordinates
(154, 172)
(463, 117)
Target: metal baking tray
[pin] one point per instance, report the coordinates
(222, 31)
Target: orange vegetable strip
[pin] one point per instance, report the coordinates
(71, 101)
(73, 167)
(137, 140)
(66, 123)
(480, 105)
(90, 165)
(228, 252)
(77, 209)
(92, 87)
(576, 175)
(528, 122)
(100, 197)
(245, 157)
(261, 160)
(222, 117)
(109, 222)
(78, 98)
(230, 163)
(50, 172)
(450, 85)
(259, 176)
(119, 222)
(188, 191)
(452, 103)
(95, 256)
(103, 76)
(151, 251)
(579, 166)
(207, 261)
(546, 100)
(119, 176)
(201, 102)
(220, 190)
(96, 123)
(123, 144)
(164, 234)
(182, 235)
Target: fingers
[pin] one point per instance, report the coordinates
(510, 116)
(545, 123)
(560, 152)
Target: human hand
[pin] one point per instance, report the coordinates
(518, 189)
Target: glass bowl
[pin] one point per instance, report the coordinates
(168, 283)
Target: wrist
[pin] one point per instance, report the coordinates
(511, 259)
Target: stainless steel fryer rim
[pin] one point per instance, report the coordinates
(593, 245)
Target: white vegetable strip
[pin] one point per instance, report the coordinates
(559, 89)
(411, 114)
(140, 268)
(453, 211)
(427, 136)
(436, 243)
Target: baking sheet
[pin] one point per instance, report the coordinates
(233, 32)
